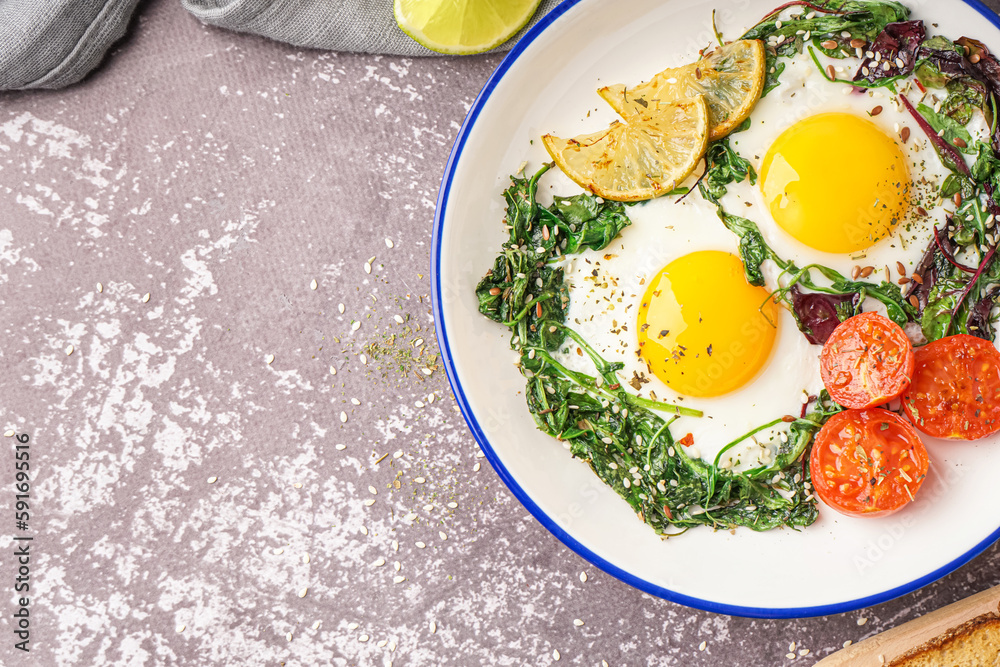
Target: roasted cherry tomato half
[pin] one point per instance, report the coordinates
(867, 462)
(955, 391)
(867, 361)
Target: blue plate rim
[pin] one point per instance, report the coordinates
(520, 493)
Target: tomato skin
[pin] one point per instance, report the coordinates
(858, 447)
(867, 361)
(955, 391)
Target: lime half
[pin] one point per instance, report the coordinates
(462, 27)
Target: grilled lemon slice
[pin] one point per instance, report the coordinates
(730, 78)
(641, 158)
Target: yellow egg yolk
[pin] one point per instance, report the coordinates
(836, 182)
(703, 329)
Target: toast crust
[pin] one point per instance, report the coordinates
(975, 643)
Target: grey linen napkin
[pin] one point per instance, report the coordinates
(53, 43)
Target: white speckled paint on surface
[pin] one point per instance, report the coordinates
(187, 491)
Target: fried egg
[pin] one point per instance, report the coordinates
(845, 180)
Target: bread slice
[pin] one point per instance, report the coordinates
(963, 634)
(975, 643)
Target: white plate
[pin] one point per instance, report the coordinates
(838, 564)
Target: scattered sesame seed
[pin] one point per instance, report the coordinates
(9, 433)
(382, 642)
(369, 502)
(355, 325)
(398, 579)
(297, 485)
(372, 490)
(848, 643)
(363, 638)
(453, 505)
(862, 620)
(343, 417)
(180, 628)
(145, 298)
(426, 371)
(395, 545)
(340, 447)
(364, 530)
(352, 626)
(476, 467)
(419, 545)
(442, 535)
(313, 284)
(288, 636)
(577, 622)
(379, 563)
(583, 577)
(396, 566)
(340, 307)
(269, 359)
(791, 647)
(555, 654)
(399, 319)
(419, 404)
(790, 656)
(213, 480)
(305, 558)
(702, 646)
(388, 243)
(333, 371)
(803, 651)
(428, 507)
(69, 350)
(368, 267)
(100, 288)
(303, 592)
(419, 480)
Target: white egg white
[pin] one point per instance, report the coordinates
(604, 307)
(804, 92)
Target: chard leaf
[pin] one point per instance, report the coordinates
(952, 129)
(936, 319)
(929, 75)
(986, 170)
(965, 95)
(897, 43)
(818, 314)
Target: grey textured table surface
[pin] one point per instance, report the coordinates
(198, 502)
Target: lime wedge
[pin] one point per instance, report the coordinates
(462, 27)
